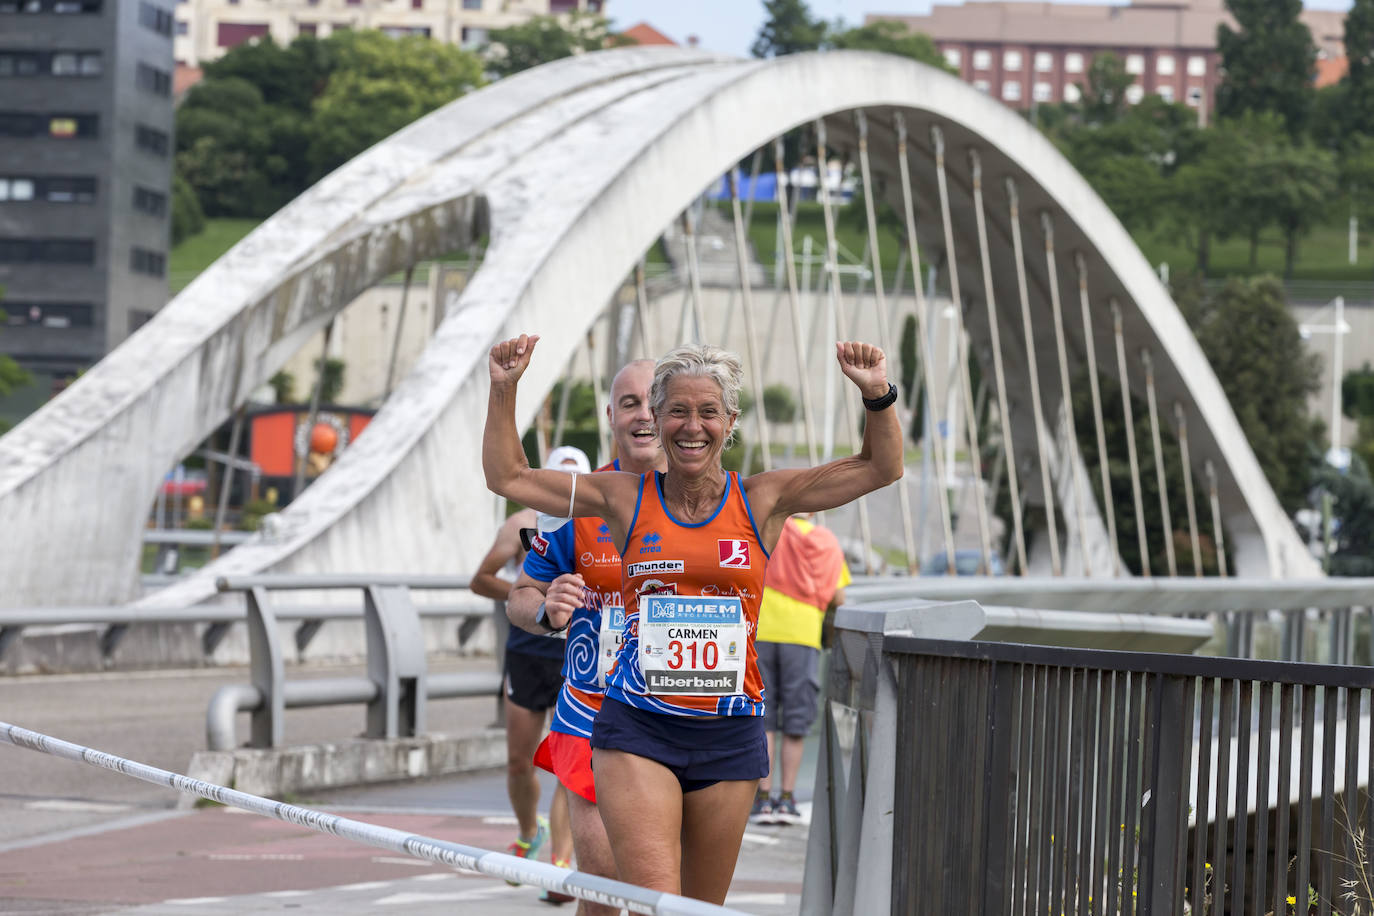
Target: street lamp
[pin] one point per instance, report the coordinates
(1337, 457)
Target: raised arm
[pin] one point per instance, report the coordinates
(507, 472)
(775, 495)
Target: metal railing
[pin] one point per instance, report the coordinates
(397, 686)
(1010, 779)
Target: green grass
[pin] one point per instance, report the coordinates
(202, 249)
(1322, 255)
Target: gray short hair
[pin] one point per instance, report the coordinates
(720, 366)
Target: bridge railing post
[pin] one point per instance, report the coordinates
(266, 668)
(395, 662)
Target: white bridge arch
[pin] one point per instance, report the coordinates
(574, 169)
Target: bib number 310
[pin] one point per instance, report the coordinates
(693, 645)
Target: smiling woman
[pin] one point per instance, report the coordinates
(678, 746)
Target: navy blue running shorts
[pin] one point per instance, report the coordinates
(700, 751)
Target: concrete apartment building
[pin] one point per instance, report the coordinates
(1029, 53)
(205, 29)
(85, 176)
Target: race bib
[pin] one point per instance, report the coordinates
(610, 637)
(692, 645)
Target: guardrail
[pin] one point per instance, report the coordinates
(1299, 620)
(398, 683)
(1013, 779)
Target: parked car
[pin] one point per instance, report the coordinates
(966, 563)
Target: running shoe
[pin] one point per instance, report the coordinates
(762, 812)
(558, 898)
(785, 810)
(529, 849)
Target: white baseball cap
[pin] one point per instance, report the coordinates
(560, 457)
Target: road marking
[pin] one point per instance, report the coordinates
(193, 901)
(500, 821)
(436, 876)
(761, 839)
(250, 857)
(399, 860)
(69, 804)
(407, 898)
(763, 899)
(287, 893)
(363, 886)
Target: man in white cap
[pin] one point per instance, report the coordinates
(532, 680)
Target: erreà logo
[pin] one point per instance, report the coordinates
(734, 553)
(653, 566)
(540, 545)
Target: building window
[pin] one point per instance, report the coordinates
(150, 202)
(954, 57)
(1135, 63)
(1044, 61)
(982, 60)
(1011, 60)
(562, 6)
(20, 124)
(417, 4)
(1166, 93)
(66, 127)
(1011, 91)
(1042, 92)
(183, 27)
(151, 140)
(154, 80)
(473, 37)
(49, 251)
(144, 261)
(1073, 62)
(1164, 65)
(307, 28)
(1197, 65)
(402, 31)
(1195, 96)
(233, 34)
(16, 189)
(472, 4)
(155, 18)
(982, 85)
(49, 314)
(1072, 93)
(50, 63)
(50, 6)
(1134, 93)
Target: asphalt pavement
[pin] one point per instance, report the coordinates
(75, 839)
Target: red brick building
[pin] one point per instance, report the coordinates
(1028, 53)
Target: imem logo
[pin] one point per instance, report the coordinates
(651, 543)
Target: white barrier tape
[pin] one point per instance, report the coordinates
(470, 858)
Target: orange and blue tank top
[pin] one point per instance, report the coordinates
(722, 557)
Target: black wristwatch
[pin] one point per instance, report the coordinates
(541, 617)
(883, 402)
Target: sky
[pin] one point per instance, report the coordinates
(729, 26)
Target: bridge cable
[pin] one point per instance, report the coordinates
(1141, 535)
(832, 268)
(884, 328)
(1014, 209)
(746, 281)
(1108, 504)
(794, 302)
(999, 373)
(303, 454)
(927, 353)
(1181, 418)
(443, 852)
(1159, 462)
(1216, 517)
(733, 177)
(694, 274)
(642, 309)
(937, 137)
(603, 432)
(1070, 453)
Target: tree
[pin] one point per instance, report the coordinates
(788, 29)
(1352, 494)
(187, 216)
(379, 85)
(1104, 90)
(1359, 51)
(1253, 345)
(12, 375)
(890, 38)
(541, 39)
(1268, 63)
